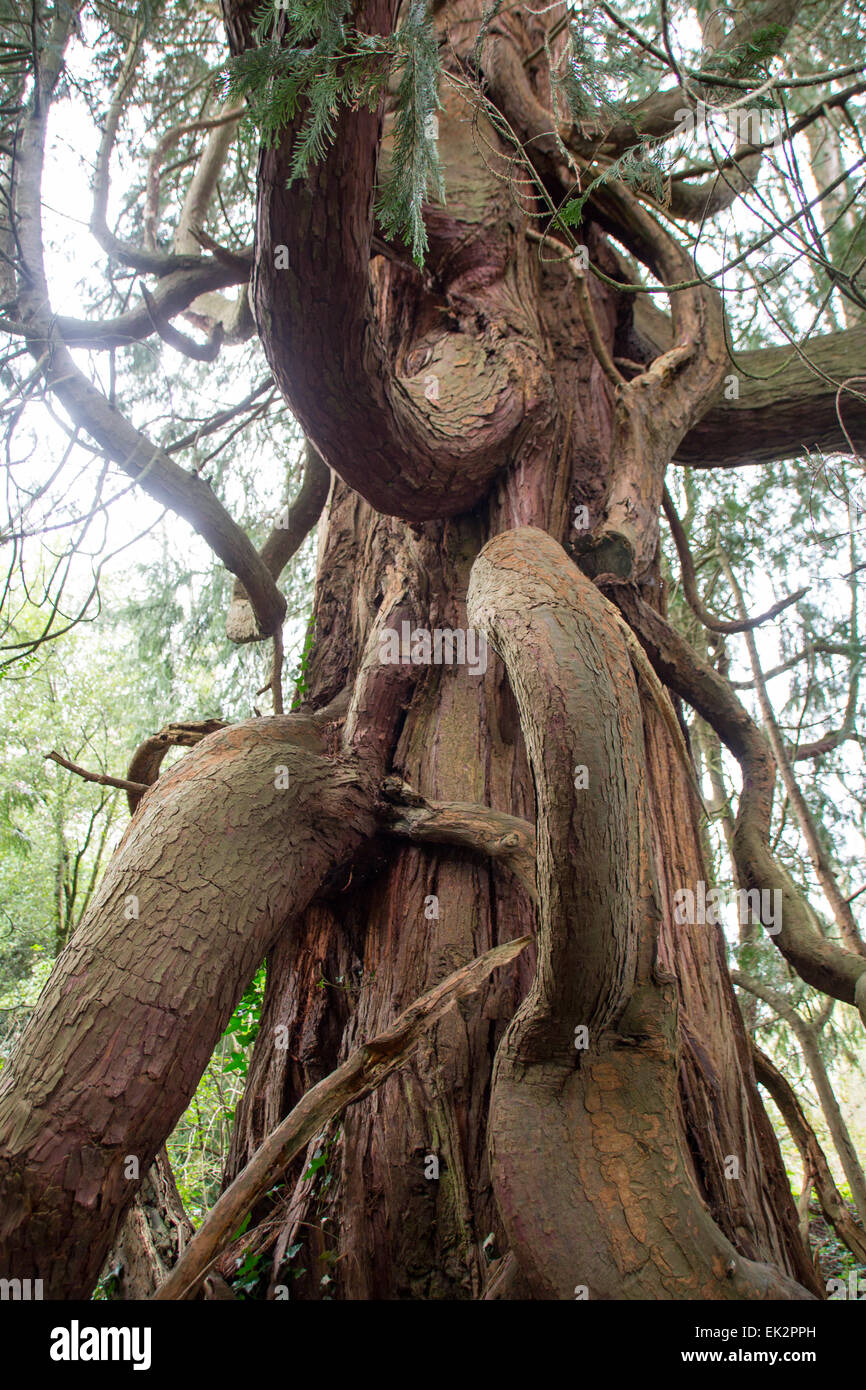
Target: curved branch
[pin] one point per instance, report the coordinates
(151, 467)
(408, 455)
(807, 1037)
(690, 585)
(615, 1213)
(154, 168)
(695, 202)
(840, 907)
(149, 261)
(655, 409)
(822, 963)
(181, 342)
(147, 758)
(833, 1204)
(283, 542)
(176, 292)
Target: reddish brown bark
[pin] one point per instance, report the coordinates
(396, 1233)
(523, 426)
(218, 856)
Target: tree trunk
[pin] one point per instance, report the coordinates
(381, 1225)
(476, 408)
(400, 1233)
(154, 1234)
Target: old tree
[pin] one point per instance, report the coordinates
(523, 275)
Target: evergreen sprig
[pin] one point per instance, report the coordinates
(639, 167)
(309, 57)
(416, 170)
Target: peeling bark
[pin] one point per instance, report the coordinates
(591, 1181)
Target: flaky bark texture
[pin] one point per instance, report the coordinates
(153, 1235)
(223, 850)
(617, 1214)
(466, 413)
(666, 1094)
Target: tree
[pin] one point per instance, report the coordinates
(499, 400)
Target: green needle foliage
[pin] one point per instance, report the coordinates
(311, 64)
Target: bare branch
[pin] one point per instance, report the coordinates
(134, 788)
(149, 465)
(785, 404)
(690, 586)
(283, 542)
(820, 962)
(199, 352)
(841, 909)
(147, 758)
(833, 1204)
(807, 1037)
(227, 119)
(492, 833)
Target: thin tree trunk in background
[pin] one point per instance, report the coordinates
(832, 1202)
(807, 1037)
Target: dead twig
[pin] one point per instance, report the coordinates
(102, 779)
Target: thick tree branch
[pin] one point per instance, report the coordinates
(226, 849)
(181, 342)
(126, 446)
(410, 455)
(149, 260)
(691, 202)
(149, 465)
(174, 294)
(655, 409)
(598, 970)
(786, 404)
(204, 189)
(148, 756)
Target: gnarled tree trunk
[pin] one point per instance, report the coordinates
(467, 414)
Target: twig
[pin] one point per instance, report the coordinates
(104, 781)
(690, 586)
